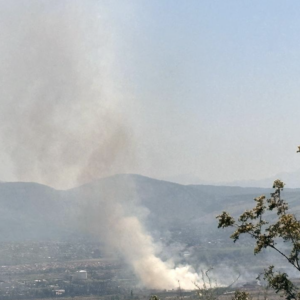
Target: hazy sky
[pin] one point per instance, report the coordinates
(208, 88)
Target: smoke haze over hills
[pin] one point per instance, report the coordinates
(66, 128)
(140, 219)
(88, 90)
(77, 75)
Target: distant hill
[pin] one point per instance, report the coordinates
(292, 180)
(34, 211)
(31, 211)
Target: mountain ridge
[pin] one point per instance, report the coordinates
(36, 211)
(292, 179)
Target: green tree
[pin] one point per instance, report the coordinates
(241, 295)
(267, 233)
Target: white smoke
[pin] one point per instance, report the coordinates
(61, 118)
(124, 233)
(61, 115)
(137, 247)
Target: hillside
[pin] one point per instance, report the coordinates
(34, 211)
(180, 218)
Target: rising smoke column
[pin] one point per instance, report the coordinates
(61, 115)
(118, 223)
(138, 248)
(61, 118)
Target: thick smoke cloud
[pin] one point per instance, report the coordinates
(61, 122)
(59, 103)
(118, 224)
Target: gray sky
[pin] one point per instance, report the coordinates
(160, 88)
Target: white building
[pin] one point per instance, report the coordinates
(80, 275)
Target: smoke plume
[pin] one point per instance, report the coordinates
(118, 224)
(62, 120)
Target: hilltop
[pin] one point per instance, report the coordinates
(35, 211)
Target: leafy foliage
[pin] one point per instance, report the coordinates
(266, 234)
(241, 295)
(280, 283)
(154, 297)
